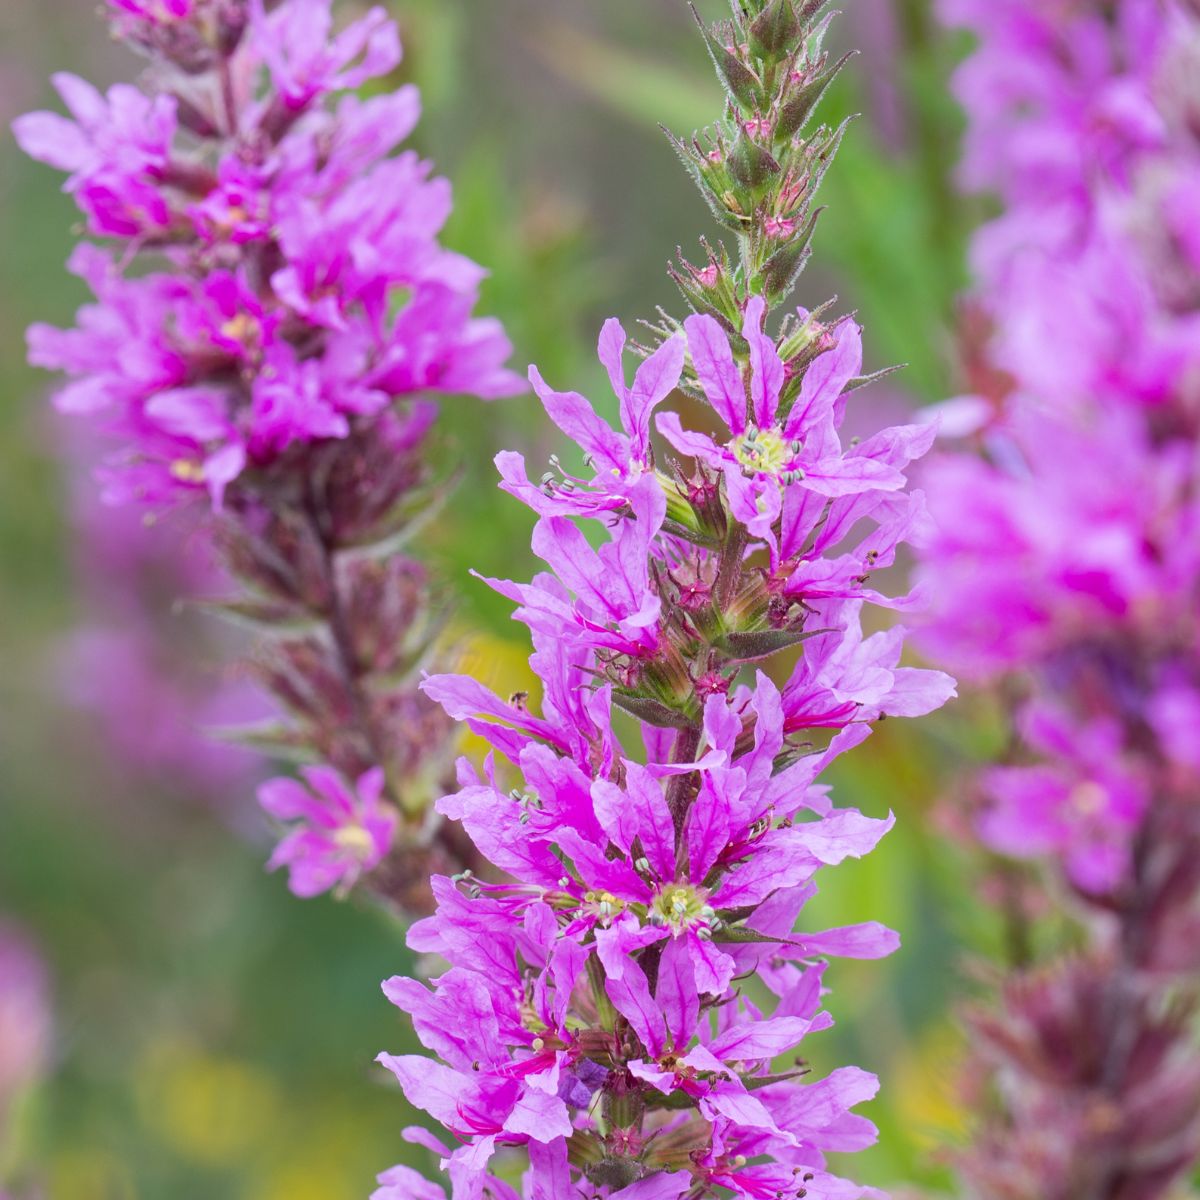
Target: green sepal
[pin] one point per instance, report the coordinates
(736, 78)
(700, 173)
(752, 165)
(799, 105)
(821, 151)
(265, 617)
(584, 1149)
(754, 1082)
(746, 647)
(653, 712)
(740, 935)
(775, 31)
(861, 381)
(606, 1014)
(275, 738)
(781, 271)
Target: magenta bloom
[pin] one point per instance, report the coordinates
(305, 290)
(617, 459)
(117, 151)
(768, 449)
(341, 831)
(304, 59)
(627, 983)
(1068, 554)
(601, 597)
(642, 883)
(1063, 565)
(595, 875)
(1082, 805)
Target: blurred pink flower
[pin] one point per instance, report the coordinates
(340, 830)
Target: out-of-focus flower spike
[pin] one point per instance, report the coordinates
(1062, 567)
(273, 369)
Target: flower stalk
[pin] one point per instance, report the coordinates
(591, 1031)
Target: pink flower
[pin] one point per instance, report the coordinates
(117, 151)
(771, 451)
(211, 363)
(616, 459)
(340, 832)
(1083, 805)
(306, 62)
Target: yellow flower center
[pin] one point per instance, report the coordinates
(355, 839)
(1088, 798)
(242, 328)
(761, 451)
(678, 905)
(605, 905)
(187, 470)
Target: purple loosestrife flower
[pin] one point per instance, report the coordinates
(590, 1021)
(768, 451)
(341, 831)
(597, 886)
(272, 311)
(1083, 805)
(618, 459)
(1065, 570)
(117, 150)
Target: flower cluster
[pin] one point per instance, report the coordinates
(591, 1019)
(1088, 578)
(1065, 561)
(271, 302)
(286, 227)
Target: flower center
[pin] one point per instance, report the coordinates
(241, 328)
(1088, 799)
(187, 471)
(679, 905)
(355, 839)
(604, 905)
(761, 451)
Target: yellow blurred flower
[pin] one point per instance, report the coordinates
(212, 1109)
(925, 1087)
(306, 1180)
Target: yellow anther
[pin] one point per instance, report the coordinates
(187, 470)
